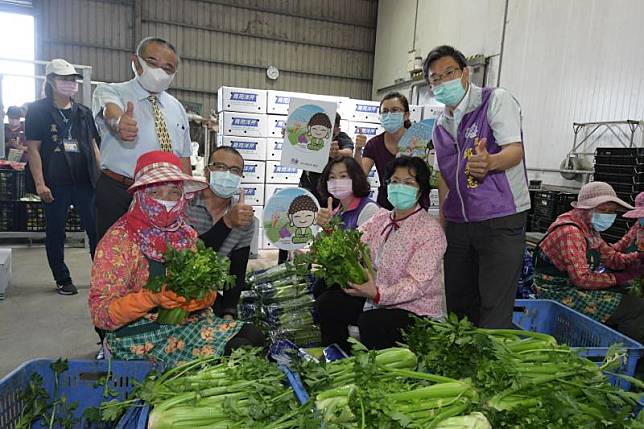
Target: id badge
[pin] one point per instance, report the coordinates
(71, 145)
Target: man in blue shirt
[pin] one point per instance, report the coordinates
(133, 118)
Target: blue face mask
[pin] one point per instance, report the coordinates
(602, 221)
(402, 196)
(392, 121)
(642, 221)
(224, 183)
(449, 93)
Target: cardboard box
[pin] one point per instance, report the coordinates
(276, 173)
(373, 194)
(259, 214)
(415, 113)
(278, 101)
(247, 100)
(276, 125)
(372, 177)
(254, 172)
(364, 111)
(274, 149)
(272, 188)
(368, 129)
(344, 126)
(251, 148)
(255, 243)
(254, 193)
(242, 124)
(5, 271)
(432, 111)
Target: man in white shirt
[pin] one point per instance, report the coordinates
(483, 190)
(133, 118)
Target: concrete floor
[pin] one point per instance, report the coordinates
(37, 322)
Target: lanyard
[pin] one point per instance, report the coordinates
(66, 122)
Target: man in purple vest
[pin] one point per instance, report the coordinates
(483, 190)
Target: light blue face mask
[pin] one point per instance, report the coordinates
(224, 183)
(392, 121)
(602, 221)
(642, 221)
(402, 196)
(449, 93)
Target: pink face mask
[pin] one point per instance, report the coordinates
(66, 87)
(340, 188)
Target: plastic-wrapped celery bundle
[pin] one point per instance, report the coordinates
(281, 302)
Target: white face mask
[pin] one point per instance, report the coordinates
(154, 80)
(169, 205)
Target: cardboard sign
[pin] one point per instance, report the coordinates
(289, 219)
(308, 135)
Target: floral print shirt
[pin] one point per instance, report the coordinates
(409, 262)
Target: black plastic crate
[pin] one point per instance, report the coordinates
(620, 151)
(563, 202)
(623, 188)
(9, 216)
(540, 224)
(616, 169)
(12, 184)
(634, 178)
(33, 216)
(622, 160)
(545, 204)
(73, 221)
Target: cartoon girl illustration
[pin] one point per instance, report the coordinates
(319, 128)
(302, 213)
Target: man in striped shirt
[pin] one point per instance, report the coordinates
(224, 222)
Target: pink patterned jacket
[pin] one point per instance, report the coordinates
(410, 262)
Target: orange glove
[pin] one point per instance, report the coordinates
(206, 302)
(136, 304)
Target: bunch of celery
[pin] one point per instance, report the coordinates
(280, 301)
(242, 391)
(338, 256)
(382, 390)
(525, 379)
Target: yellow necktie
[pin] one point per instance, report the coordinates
(159, 125)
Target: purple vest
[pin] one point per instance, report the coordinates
(350, 217)
(469, 199)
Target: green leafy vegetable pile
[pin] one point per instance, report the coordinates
(338, 256)
(243, 391)
(40, 408)
(525, 379)
(191, 274)
(382, 390)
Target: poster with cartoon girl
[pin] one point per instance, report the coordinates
(417, 140)
(308, 135)
(289, 218)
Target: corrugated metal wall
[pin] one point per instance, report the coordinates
(323, 46)
(573, 61)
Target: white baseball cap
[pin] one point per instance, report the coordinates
(60, 67)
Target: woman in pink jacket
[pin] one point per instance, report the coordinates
(407, 246)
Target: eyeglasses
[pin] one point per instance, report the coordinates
(220, 166)
(409, 182)
(153, 62)
(449, 74)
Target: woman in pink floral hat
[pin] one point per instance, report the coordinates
(634, 238)
(575, 266)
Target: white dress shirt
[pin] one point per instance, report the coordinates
(121, 156)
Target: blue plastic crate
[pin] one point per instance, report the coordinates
(576, 330)
(76, 384)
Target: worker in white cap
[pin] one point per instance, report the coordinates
(63, 159)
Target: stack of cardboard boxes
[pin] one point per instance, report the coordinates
(252, 120)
